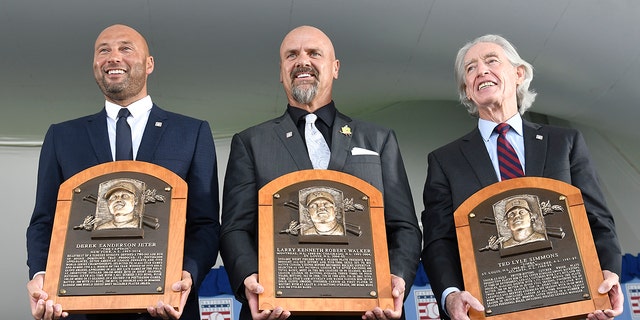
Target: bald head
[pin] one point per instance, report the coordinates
(308, 33)
(122, 31)
(121, 64)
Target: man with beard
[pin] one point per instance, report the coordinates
(181, 144)
(269, 150)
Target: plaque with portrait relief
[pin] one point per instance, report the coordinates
(118, 237)
(527, 251)
(322, 244)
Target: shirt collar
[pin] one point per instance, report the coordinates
(326, 113)
(137, 108)
(486, 127)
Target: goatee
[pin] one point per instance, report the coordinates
(304, 94)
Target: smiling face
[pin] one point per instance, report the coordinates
(121, 204)
(121, 64)
(491, 80)
(307, 68)
(323, 214)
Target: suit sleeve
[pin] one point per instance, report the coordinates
(403, 231)
(584, 177)
(40, 227)
(238, 243)
(203, 205)
(440, 256)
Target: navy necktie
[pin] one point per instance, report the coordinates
(124, 150)
(508, 161)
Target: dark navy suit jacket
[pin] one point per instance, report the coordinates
(458, 170)
(181, 144)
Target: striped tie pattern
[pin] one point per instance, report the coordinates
(508, 161)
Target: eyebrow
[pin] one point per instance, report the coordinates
(124, 42)
(488, 55)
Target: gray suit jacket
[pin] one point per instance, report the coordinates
(271, 149)
(458, 170)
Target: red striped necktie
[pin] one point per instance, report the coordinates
(508, 161)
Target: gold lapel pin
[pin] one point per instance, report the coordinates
(346, 130)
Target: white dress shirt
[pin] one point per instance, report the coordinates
(137, 121)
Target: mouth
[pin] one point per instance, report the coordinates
(115, 71)
(303, 73)
(486, 84)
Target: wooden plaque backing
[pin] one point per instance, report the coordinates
(118, 303)
(583, 238)
(321, 305)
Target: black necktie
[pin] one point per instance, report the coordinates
(508, 161)
(124, 150)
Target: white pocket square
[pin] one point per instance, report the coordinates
(360, 151)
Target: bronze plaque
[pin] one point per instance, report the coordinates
(115, 239)
(326, 245)
(527, 254)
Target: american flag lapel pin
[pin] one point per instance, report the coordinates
(538, 137)
(289, 134)
(158, 124)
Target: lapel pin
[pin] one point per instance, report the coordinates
(158, 124)
(539, 137)
(289, 134)
(346, 130)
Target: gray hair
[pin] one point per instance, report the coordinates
(524, 96)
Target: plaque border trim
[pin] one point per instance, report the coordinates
(129, 303)
(584, 240)
(266, 260)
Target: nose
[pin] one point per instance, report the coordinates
(483, 69)
(114, 56)
(302, 60)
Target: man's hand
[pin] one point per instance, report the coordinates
(41, 308)
(397, 292)
(165, 311)
(251, 290)
(458, 304)
(611, 286)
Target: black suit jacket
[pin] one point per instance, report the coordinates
(458, 170)
(274, 148)
(181, 144)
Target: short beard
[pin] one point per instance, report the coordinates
(304, 94)
(113, 91)
(130, 87)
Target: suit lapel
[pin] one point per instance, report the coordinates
(475, 152)
(99, 137)
(340, 142)
(156, 125)
(290, 137)
(535, 146)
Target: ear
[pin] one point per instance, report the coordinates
(281, 72)
(150, 64)
(466, 91)
(520, 71)
(336, 68)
